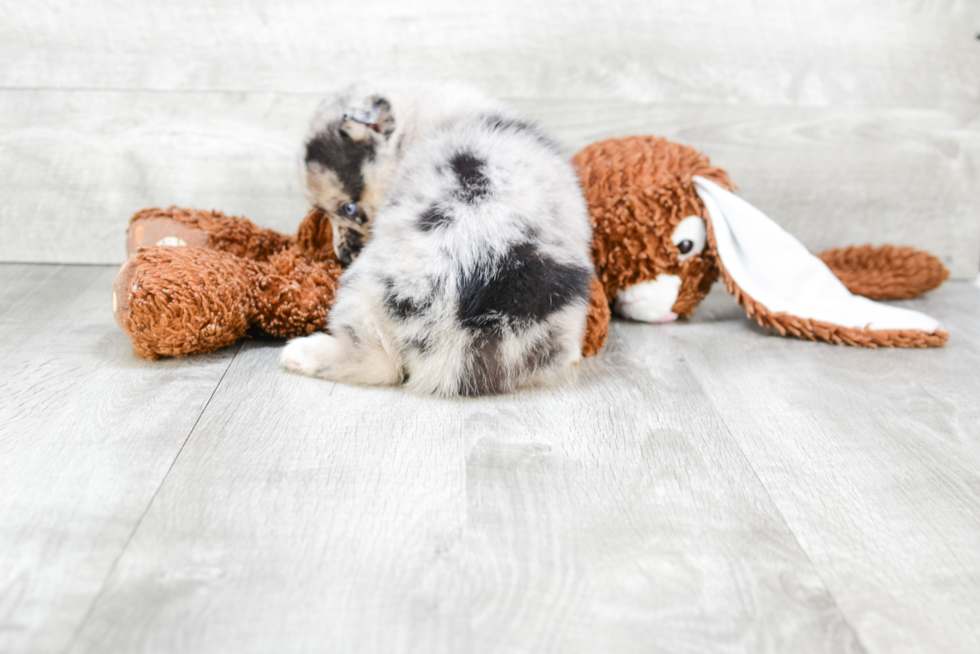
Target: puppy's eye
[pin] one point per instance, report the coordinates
(349, 209)
(689, 237)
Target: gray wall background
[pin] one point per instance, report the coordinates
(847, 122)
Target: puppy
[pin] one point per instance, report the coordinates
(467, 239)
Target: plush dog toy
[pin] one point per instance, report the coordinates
(196, 281)
(666, 224)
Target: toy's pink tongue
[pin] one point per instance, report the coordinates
(667, 317)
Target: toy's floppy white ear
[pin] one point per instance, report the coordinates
(782, 285)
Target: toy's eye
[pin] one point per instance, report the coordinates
(349, 209)
(689, 237)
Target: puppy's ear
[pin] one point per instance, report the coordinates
(368, 118)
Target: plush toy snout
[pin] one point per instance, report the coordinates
(650, 301)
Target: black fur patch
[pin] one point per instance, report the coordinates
(483, 375)
(434, 217)
(336, 151)
(473, 183)
(400, 306)
(518, 289)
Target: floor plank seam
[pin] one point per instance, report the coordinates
(782, 517)
(136, 527)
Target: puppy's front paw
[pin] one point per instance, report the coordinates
(310, 355)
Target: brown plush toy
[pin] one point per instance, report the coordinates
(666, 225)
(200, 280)
(230, 276)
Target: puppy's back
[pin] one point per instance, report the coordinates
(481, 246)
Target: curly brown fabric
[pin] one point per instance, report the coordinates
(223, 276)
(175, 301)
(638, 189)
(597, 321)
(296, 294)
(697, 273)
(314, 238)
(885, 272)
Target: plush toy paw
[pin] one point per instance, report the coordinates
(175, 301)
(311, 355)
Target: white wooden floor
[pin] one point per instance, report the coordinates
(697, 487)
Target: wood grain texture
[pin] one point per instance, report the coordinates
(78, 164)
(873, 457)
(301, 517)
(907, 53)
(87, 433)
(616, 515)
(612, 514)
(698, 486)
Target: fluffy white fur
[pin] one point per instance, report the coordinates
(470, 244)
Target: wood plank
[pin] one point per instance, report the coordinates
(78, 164)
(871, 456)
(617, 515)
(301, 516)
(614, 513)
(826, 53)
(87, 433)
(610, 514)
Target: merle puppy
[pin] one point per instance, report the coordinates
(467, 238)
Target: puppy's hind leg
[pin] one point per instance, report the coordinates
(342, 358)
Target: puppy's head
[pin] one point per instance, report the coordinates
(349, 160)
